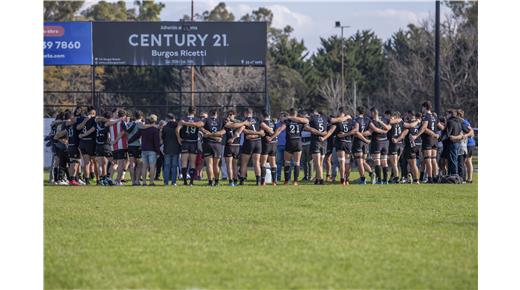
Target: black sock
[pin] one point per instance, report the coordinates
(184, 172)
(231, 180)
(263, 172)
(192, 175)
(210, 182)
(216, 181)
(421, 177)
(235, 180)
(273, 174)
(55, 173)
(378, 172)
(257, 179)
(287, 172)
(296, 172)
(385, 173)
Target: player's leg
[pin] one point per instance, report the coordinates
(341, 163)
(244, 159)
(375, 154)
(192, 157)
(256, 166)
(272, 164)
(216, 170)
(427, 156)
(287, 166)
(469, 164)
(318, 168)
(229, 168)
(184, 165)
(347, 168)
(384, 161)
(263, 163)
(209, 169)
(297, 157)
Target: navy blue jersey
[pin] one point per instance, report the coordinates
(408, 142)
(432, 123)
(363, 124)
(212, 125)
(102, 134)
(269, 123)
(379, 136)
(293, 129)
(396, 131)
(230, 133)
(254, 126)
(319, 123)
(72, 133)
(190, 133)
(88, 125)
(345, 127)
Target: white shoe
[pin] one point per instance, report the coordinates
(119, 183)
(81, 182)
(62, 182)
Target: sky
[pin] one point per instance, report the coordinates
(314, 19)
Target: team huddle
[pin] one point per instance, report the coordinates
(413, 147)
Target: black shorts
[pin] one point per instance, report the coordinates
(189, 147)
(331, 142)
(379, 146)
(318, 147)
(471, 150)
(87, 147)
(412, 152)
(134, 151)
(232, 151)
(73, 151)
(429, 143)
(293, 145)
(120, 154)
(395, 148)
(269, 148)
(103, 150)
(252, 147)
(344, 146)
(359, 146)
(212, 149)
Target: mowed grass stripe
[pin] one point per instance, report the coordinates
(391, 236)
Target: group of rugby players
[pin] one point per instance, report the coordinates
(390, 147)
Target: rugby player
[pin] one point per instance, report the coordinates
(411, 148)
(268, 148)
(395, 149)
(345, 129)
(429, 137)
(87, 144)
(318, 126)
(73, 147)
(134, 147)
(293, 125)
(360, 142)
(233, 129)
(252, 147)
(379, 128)
(187, 134)
(103, 149)
(213, 130)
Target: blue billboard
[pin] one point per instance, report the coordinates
(67, 43)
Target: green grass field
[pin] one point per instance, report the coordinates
(372, 236)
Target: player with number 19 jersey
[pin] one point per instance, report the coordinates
(189, 135)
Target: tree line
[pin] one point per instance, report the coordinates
(394, 74)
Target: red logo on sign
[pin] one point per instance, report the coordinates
(50, 31)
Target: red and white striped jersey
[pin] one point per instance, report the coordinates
(117, 130)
